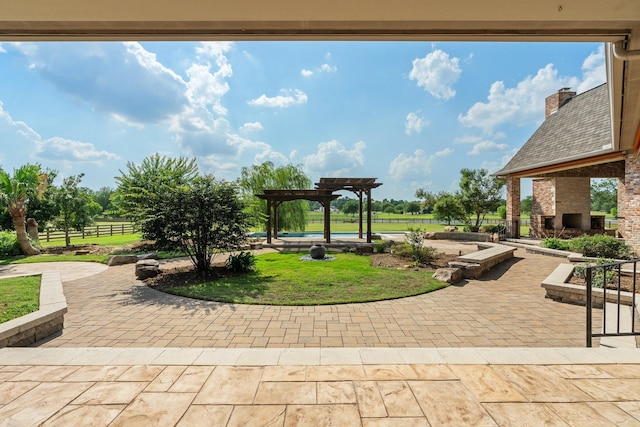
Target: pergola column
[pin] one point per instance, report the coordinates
(368, 216)
(360, 214)
(268, 220)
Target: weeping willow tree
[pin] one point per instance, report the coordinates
(291, 215)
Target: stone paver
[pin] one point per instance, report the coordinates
(506, 308)
(606, 393)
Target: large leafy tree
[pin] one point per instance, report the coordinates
(27, 182)
(480, 193)
(604, 195)
(102, 196)
(75, 207)
(291, 215)
(143, 188)
(204, 217)
(448, 207)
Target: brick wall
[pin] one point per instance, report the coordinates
(573, 196)
(629, 202)
(557, 196)
(543, 204)
(552, 102)
(513, 207)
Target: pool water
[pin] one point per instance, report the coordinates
(299, 235)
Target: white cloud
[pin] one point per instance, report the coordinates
(288, 98)
(65, 149)
(333, 159)
(326, 68)
(468, 139)
(415, 167)
(594, 71)
(251, 127)
(520, 105)
(214, 49)
(21, 127)
(487, 146)
(413, 123)
(436, 73)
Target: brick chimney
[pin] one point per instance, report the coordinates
(553, 102)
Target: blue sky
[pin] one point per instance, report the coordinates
(411, 114)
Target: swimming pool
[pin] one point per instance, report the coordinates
(300, 235)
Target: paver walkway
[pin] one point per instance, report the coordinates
(293, 387)
(506, 308)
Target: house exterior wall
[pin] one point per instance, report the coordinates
(629, 202)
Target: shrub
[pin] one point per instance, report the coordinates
(492, 228)
(598, 275)
(241, 263)
(614, 212)
(601, 246)
(421, 255)
(9, 245)
(381, 246)
(555, 243)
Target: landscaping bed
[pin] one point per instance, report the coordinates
(282, 279)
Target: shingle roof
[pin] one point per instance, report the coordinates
(578, 130)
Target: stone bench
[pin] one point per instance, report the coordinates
(488, 256)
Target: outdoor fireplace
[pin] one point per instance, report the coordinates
(572, 220)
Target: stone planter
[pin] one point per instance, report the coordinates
(317, 251)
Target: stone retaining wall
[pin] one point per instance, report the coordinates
(46, 321)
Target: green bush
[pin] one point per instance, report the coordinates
(555, 243)
(492, 228)
(598, 275)
(420, 255)
(381, 246)
(602, 246)
(241, 263)
(9, 245)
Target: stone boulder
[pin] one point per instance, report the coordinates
(469, 270)
(449, 275)
(147, 268)
(364, 249)
(122, 259)
(450, 228)
(430, 235)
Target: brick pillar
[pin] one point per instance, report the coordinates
(629, 202)
(513, 207)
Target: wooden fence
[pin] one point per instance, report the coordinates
(92, 231)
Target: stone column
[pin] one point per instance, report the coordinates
(630, 198)
(513, 207)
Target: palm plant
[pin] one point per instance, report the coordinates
(27, 181)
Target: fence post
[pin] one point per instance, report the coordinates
(97, 231)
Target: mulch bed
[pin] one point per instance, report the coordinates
(626, 283)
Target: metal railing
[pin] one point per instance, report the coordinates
(609, 276)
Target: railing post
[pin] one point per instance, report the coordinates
(589, 308)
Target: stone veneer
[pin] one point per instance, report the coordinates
(46, 321)
(513, 207)
(629, 202)
(554, 197)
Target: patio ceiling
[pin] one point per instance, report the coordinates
(434, 20)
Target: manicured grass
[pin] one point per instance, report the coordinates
(282, 279)
(115, 240)
(19, 296)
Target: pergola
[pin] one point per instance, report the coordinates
(359, 186)
(324, 194)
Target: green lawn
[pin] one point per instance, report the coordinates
(282, 279)
(115, 240)
(55, 258)
(19, 296)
